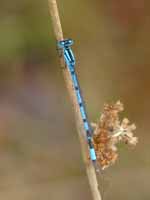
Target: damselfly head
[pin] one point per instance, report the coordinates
(65, 43)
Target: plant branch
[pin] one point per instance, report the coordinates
(53, 9)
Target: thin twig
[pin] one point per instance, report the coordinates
(53, 9)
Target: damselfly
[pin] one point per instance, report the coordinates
(65, 46)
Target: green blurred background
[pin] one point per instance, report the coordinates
(40, 156)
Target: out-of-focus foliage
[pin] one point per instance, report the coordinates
(39, 149)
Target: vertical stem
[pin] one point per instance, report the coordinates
(53, 9)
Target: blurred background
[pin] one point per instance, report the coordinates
(40, 156)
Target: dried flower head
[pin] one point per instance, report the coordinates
(109, 131)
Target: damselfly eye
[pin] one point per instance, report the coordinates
(69, 42)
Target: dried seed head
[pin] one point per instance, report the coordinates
(109, 131)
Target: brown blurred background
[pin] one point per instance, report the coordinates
(40, 156)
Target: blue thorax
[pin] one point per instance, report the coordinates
(67, 51)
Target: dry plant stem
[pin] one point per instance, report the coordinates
(84, 147)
